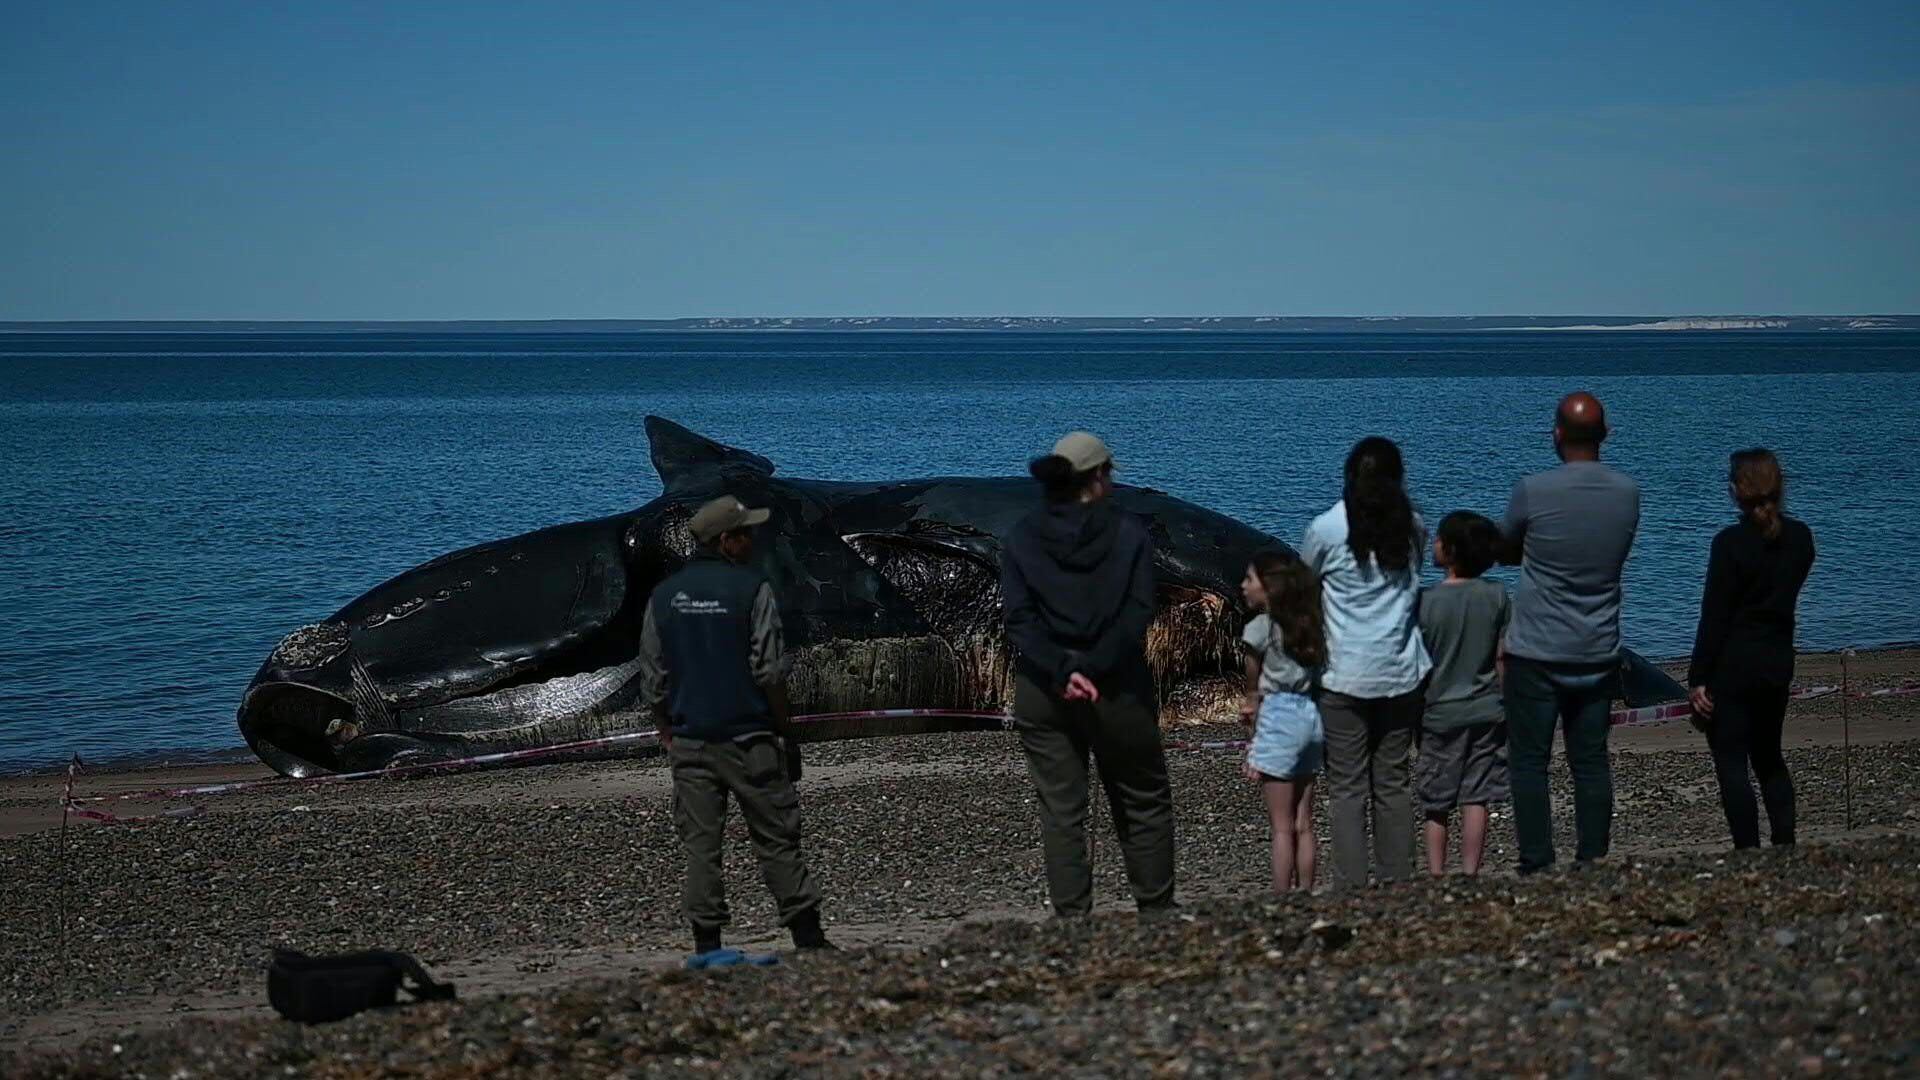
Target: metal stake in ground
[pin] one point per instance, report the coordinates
(1846, 735)
(60, 897)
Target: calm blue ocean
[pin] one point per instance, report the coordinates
(171, 504)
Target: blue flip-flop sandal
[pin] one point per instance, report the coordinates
(719, 958)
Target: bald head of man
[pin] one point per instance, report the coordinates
(1579, 425)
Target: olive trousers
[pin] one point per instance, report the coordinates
(1122, 732)
(754, 772)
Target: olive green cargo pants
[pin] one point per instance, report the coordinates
(754, 772)
(1122, 731)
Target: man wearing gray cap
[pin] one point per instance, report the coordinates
(712, 673)
(1077, 580)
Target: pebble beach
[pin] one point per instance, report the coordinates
(549, 896)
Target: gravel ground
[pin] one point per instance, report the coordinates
(1761, 964)
(911, 836)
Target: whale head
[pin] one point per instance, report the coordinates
(304, 706)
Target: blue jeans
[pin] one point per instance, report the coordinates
(1579, 696)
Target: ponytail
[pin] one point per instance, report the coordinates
(1058, 479)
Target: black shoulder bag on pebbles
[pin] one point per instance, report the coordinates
(321, 989)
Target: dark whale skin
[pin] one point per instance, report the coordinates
(889, 593)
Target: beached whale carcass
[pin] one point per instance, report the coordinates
(889, 593)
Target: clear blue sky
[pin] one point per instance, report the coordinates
(337, 160)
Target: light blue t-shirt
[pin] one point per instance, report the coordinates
(1373, 635)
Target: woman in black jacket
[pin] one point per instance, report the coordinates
(1077, 580)
(1743, 653)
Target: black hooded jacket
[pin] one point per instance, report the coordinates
(1077, 580)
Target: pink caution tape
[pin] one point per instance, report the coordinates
(1646, 714)
(1812, 692)
(1650, 714)
(1893, 691)
(400, 772)
(115, 819)
(1207, 744)
(1004, 719)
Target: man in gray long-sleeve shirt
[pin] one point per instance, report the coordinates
(711, 671)
(1570, 530)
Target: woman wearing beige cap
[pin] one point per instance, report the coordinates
(1077, 578)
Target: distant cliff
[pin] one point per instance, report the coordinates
(1290, 323)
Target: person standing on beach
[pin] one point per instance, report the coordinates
(1463, 740)
(1077, 582)
(1569, 529)
(1367, 551)
(713, 674)
(1285, 647)
(1743, 651)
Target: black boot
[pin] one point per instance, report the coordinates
(705, 941)
(806, 931)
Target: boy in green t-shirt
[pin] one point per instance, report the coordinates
(1463, 744)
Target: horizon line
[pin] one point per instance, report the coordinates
(719, 320)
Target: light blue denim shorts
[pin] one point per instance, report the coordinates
(1288, 741)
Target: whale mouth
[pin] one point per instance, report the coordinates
(296, 729)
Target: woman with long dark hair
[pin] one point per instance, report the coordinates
(1077, 581)
(1367, 551)
(1743, 652)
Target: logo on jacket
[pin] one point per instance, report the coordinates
(686, 605)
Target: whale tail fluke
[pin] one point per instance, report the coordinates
(684, 458)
